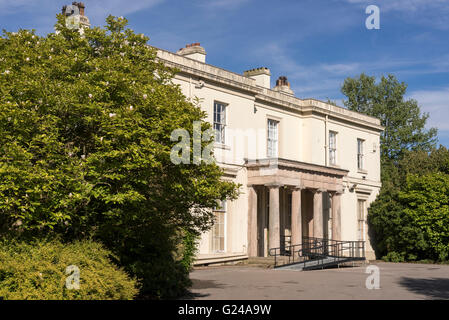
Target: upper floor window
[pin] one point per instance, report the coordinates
(273, 136)
(360, 154)
(219, 122)
(332, 147)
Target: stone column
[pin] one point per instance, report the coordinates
(296, 217)
(318, 213)
(252, 222)
(274, 239)
(336, 215)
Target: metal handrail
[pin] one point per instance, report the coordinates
(319, 249)
(287, 242)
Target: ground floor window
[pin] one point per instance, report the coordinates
(361, 220)
(218, 230)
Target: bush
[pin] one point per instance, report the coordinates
(394, 257)
(37, 271)
(426, 202)
(155, 258)
(189, 250)
(410, 218)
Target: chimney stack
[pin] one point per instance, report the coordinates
(282, 85)
(81, 6)
(193, 51)
(75, 14)
(261, 75)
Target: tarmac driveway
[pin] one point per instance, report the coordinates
(397, 281)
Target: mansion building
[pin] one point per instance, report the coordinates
(307, 168)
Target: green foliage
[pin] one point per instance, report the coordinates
(189, 250)
(409, 216)
(403, 121)
(407, 149)
(426, 202)
(85, 126)
(394, 257)
(37, 271)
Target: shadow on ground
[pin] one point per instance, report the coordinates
(436, 288)
(200, 285)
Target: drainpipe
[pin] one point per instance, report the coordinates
(190, 88)
(326, 139)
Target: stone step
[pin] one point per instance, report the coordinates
(266, 261)
(215, 259)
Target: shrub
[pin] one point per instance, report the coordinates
(154, 257)
(394, 257)
(410, 218)
(189, 250)
(37, 271)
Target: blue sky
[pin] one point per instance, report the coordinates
(316, 44)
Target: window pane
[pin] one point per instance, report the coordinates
(218, 230)
(360, 153)
(332, 147)
(272, 143)
(360, 219)
(219, 122)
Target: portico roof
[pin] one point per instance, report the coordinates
(286, 172)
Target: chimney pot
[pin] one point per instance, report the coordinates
(282, 85)
(193, 51)
(82, 7)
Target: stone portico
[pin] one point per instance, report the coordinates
(285, 201)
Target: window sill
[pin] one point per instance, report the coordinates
(362, 171)
(221, 146)
(335, 166)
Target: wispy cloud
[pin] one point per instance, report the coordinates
(99, 9)
(222, 4)
(403, 5)
(340, 68)
(433, 13)
(436, 103)
(42, 11)
(324, 80)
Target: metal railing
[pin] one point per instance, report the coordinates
(286, 244)
(323, 251)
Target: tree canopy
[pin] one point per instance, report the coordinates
(85, 127)
(409, 217)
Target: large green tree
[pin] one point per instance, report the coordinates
(407, 153)
(85, 144)
(409, 217)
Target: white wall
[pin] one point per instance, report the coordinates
(301, 138)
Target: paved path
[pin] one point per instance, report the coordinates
(397, 281)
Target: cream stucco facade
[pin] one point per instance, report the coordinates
(297, 191)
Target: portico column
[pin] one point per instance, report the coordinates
(336, 215)
(252, 222)
(318, 213)
(274, 240)
(296, 217)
